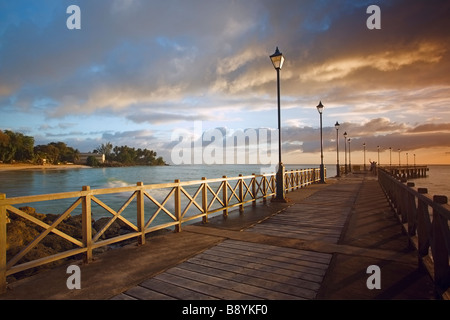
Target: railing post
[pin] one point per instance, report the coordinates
(225, 196)
(439, 247)
(87, 224)
(264, 188)
(205, 200)
(140, 213)
(241, 193)
(254, 190)
(178, 205)
(423, 227)
(3, 221)
(411, 211)
(273, 187)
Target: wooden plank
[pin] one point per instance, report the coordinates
(294, 228)
(287, 252)
(271, 255)
(251, 276)
(249, 267)
(259, 263)
(296, 235)
(254, 291)
(143, 293)
(174, 291)
(201, 287)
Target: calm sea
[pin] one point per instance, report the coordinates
(34, 182)
(437, 180)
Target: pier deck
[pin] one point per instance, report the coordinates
(316, 246)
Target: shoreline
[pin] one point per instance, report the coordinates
(24, 166)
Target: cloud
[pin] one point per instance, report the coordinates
(172, 62)
(377, 132)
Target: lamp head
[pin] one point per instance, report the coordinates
(277, 59)
(320, 107)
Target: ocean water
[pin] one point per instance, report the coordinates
(34, 182)
(437, 180)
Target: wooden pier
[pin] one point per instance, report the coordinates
(407, 172)
(319, 245)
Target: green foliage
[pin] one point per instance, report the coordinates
(15, 146)
(92, 161)
(56, 152)
(129, 156)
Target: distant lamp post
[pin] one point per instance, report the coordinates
(390, 157)
(399, 158)
(414, 159)
(338, 169)
(277, 60)
(345, 146)
(407, 164)
(322, 169)
(378, 149)
(349, 157)
(364, 145)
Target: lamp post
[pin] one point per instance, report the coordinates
(349, 157)
(378, 149)
(390, 157)
(338, 169)
(322, 170)
(364, 145)
(399, 158)
(345, 146)
(277, 60)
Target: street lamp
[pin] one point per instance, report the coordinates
(277, 61)
(399, 158)
(378, 149)
(390, 157)
(345, 146)
(338, 169)
(349, 157)
(322, 170)
(364, 145)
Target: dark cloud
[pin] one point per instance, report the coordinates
(179, 61)
(377, 132)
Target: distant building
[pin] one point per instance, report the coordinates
(82, 157)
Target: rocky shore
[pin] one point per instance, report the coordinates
(20, 232)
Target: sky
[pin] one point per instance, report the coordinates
(147, 73)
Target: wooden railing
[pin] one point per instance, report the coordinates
(182, 202)
(426, 221)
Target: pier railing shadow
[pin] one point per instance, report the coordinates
(155, 207)
(426, 221)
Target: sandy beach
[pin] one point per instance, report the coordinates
(25, 166)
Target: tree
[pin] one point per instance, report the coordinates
(15, 146)
(106, 149)
(56, 152)
(92, 161)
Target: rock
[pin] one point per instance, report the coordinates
(18, 234)
(125, 227)
(112, 231)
